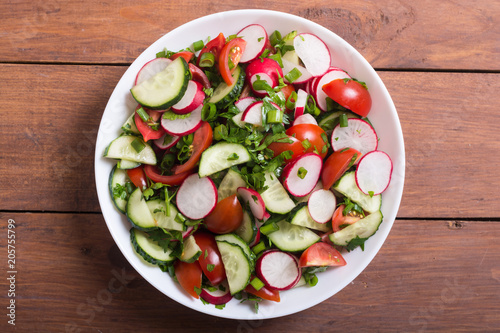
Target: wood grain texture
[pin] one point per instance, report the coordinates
(72, 278)
(390, 34)
(450, 135)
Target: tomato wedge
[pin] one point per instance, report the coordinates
(337, 164)
(351, 94)
(264, 293)
(187, 55)
(312, 137)
(321, 254)
(214, 47)
(202, 139)
(148, 133)
(295, 147)
(226, 216)
(210, 259)
(189, 276)
(138, 177)
(155, 175)
(339, 219)
(230, 57)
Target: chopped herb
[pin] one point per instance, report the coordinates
(233, 157)
(138, 145)
(170, 115)
(302, 172)
(210, 267)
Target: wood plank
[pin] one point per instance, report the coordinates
(72, 278)
(390, 34)
(49, 164)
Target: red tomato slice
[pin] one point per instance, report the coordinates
(187, 55)
(321, 254)
(317, 140)
(189, 276)
(226, 216)
(351, 94)
(296, 147)
(214, 47)
(339, 219)
(202, 139)
(155, 175)
(264, 293)
(336, 165)
(210, 259)
(145, 129)
(230, 57)
(138, 177)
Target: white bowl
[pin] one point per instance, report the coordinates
(383, 116)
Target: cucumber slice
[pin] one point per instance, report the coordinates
(236, 240)
(221, 156)
(131, 148)
(363, 228)
(129, 126)
(125, 164)
(191, 250)
(165, 88)
(247, 230)
(148, 249)
(158, 209)
(236, 264)
(229, 184)
(138, 212)
(292, 238)
(348, 187)
(118, 177)
(275, 197)
(224, 95)
(302, 217)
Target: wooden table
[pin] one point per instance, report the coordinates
(439, 269)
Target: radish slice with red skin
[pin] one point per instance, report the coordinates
(253, 113)
(265, 69)
(256, 37)
(321, 205)
(303, 174)
(193, 98)
(332, 74)
(196, 197)
(217, 297)
(151, 68)
(278, 270)
(305, 119)
(254, 201)
(300, 103)
(358, 135)
(242, 104)
(167, 141)
(183, 126)
(313, 52)
(374, 172)
(288, 66)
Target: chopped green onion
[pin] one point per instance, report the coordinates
(188, 139)
(143, 114)
(269, 228)
(138, 145)
(207, 59)
(233, 157)
(257, 283)
(179, 218)
(290, 102)
(343, 120)
(220, 132)
(293, 75)
(161, 54)
(259, 247)
(210, 267)
(274, 116)
(208, 112)
(198, 45)
(302, 172)
(277, 57)
(260, 84)
(306, 144)
(275, 37)
(311, 106)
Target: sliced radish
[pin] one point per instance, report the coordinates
(256, 37)
(218, 296)
(300, 103)
(321, 205)
(305, 119)
(288, 66)
(242, 104)
(193, 98)
(333, 73)
(303, 174)
(189, 231)
(253, 113)
(254, 201)
(196, 197)
(358, 134)
(278, 270)
(256, 240)
(373, 173)
(167, 141)
(264, 69)
(313, 52)
(151, 68)
(184, 124)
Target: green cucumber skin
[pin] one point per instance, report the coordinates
(343, 240)
(231, 96)
(143, 253)
(110, 185)
(134, 223)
